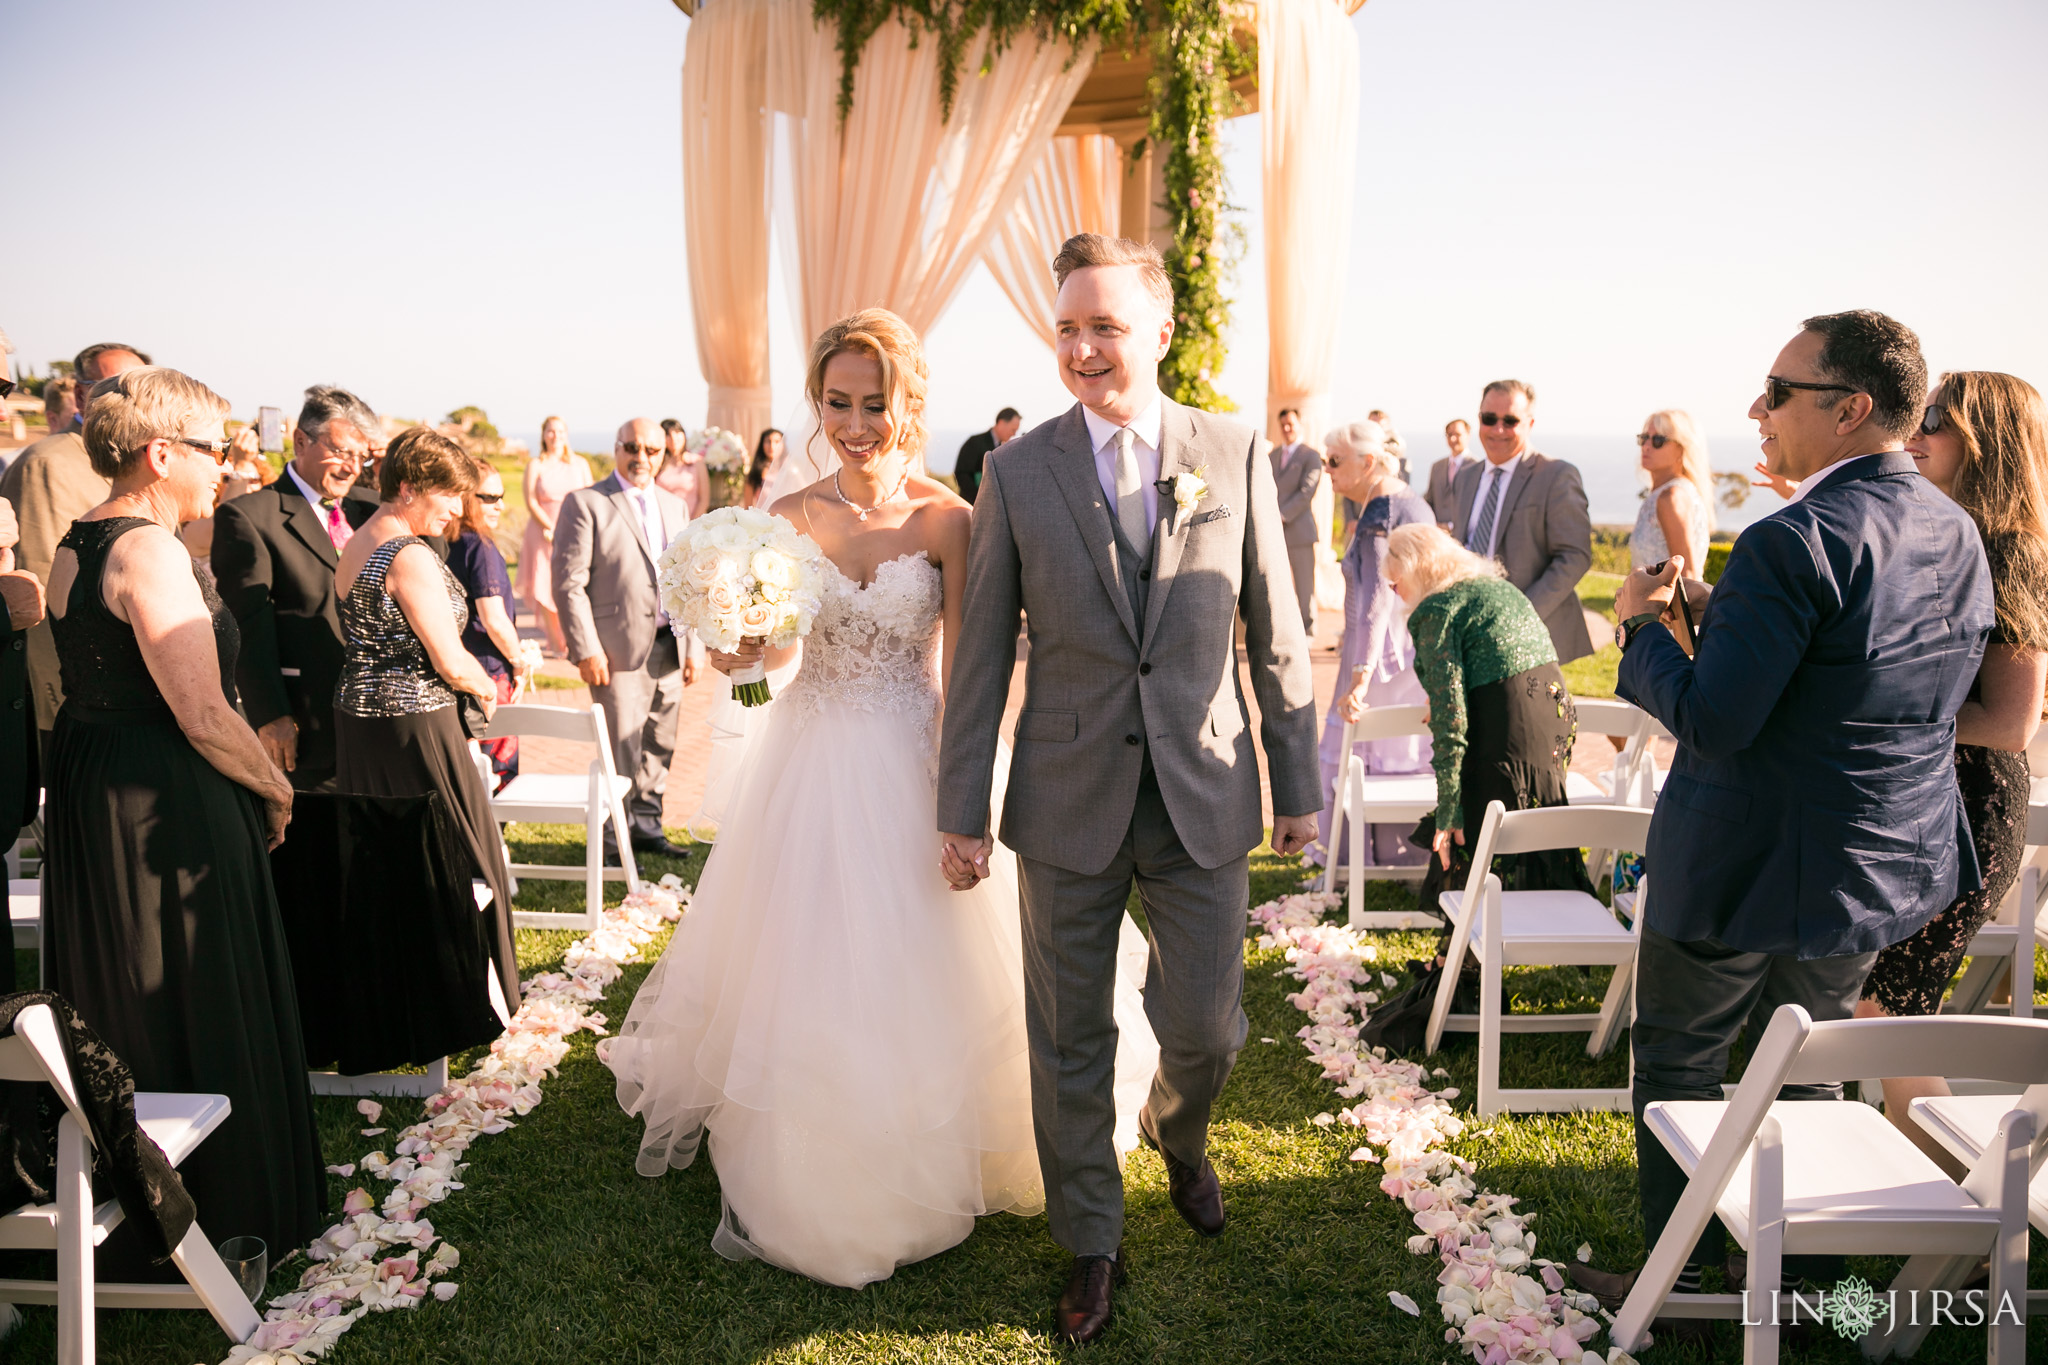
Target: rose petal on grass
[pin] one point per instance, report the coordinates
(1584, 1253)
(445, 1291)
(1323, 1120)
(1404, 1303)
(344, 1171)
(372, 1132)
(370, 1109)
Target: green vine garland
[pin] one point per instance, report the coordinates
(1194, 58)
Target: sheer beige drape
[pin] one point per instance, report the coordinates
(1308, 94)
(1076, 186)
(725, 208)
(894, 210)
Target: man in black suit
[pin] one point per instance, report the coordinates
(975, 449)
(274, 552)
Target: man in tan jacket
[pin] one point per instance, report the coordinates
(51, 485)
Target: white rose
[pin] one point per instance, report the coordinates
(723, 597)
(775, 570)
(757, 619)
(727, 536)
(703, 568)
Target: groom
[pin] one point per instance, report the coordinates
(1131, 533)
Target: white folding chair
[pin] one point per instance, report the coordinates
(25, 911)
(2005, 946)
(72, 1227)
(1806, 1177)
(1364, 799)
(1538, 928)
(596, 797)
(1967, 1124)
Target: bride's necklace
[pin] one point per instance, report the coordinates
(880, 503)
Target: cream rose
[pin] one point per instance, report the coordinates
(757, 619)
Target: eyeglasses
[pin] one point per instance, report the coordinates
(1933, 419)
(1508, 420)
(1777, 390)
(6, 387)
(490, 499)
(647, 448)
(217, 449)
(1654, 441)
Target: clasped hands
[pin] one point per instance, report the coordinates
(1652, 590)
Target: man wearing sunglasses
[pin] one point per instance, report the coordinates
(1811, 817)
(1529, 512)
(51, 485)
(607, 539)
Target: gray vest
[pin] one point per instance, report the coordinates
(1135, 570)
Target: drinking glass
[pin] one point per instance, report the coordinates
(248, 1260)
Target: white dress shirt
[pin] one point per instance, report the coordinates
(1287, 453)
(1102, 434)
(1812, 481)
(650, 517)
(1486, 476)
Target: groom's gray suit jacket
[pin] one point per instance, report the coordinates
(1118, 669)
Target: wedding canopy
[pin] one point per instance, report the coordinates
(892, 204)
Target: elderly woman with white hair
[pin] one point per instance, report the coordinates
(1501, 720)
(1376, 658)
(160, 924)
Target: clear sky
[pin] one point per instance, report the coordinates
(1630, 205)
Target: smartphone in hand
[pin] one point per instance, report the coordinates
(1684, 629)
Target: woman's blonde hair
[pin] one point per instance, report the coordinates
(135, 407)
(2002, 483)
(1677, 426)
(567, 449)
(1428, 560)
(895, 347)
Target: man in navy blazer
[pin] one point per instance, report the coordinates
(1811, 816)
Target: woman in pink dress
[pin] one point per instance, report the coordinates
(683, 473)
(551, 476)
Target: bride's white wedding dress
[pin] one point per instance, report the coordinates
(846, 1030)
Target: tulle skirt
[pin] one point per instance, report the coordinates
(845, 1030)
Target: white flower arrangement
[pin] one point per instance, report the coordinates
(721, 451)
(738, 574)
(1501, 1304)
(1189, 489)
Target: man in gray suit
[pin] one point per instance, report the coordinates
(1529, 512)
(1131, 533)
(1442, 494)
(606, 540)
(1297, 469)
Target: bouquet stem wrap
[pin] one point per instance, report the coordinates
(750, 685)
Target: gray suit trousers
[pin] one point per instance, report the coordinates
(1302, 560)
(1194, 991)
(641, 711)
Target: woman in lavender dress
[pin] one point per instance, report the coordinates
(1376, 666)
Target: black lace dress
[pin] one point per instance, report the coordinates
(159, 922)
(397, 734)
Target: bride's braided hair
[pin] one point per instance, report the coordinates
(895, 347)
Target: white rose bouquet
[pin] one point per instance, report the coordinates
(739, 574)
(721, 451)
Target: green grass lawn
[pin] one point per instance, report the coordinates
(569, 1256)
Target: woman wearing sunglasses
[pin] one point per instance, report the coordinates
(479, 566)
(1677, 515)
(1983, 441)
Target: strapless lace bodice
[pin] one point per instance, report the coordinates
(875, 647)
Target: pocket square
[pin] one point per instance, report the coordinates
(1216, 515)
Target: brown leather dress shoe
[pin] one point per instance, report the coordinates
(1195, 1192)
(1083, 1311)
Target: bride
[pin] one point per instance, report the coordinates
(845, 1029)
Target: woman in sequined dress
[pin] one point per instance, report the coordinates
(396, 724)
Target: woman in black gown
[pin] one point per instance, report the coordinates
(397, 726)
(1983, 440)
(159, 922)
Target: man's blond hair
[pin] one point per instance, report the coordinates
(1088, 249)
(138, 406)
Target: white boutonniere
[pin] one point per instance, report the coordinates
(1187, 489)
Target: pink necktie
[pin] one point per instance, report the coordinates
(338, 529)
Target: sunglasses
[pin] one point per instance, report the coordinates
(648, 448)
(1933, 419)
(1777, 390)
(490, 499)
(217, 449)
(1652, 439)
(6, 387)
(1508, 420)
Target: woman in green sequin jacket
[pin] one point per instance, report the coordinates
(1499, 713)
